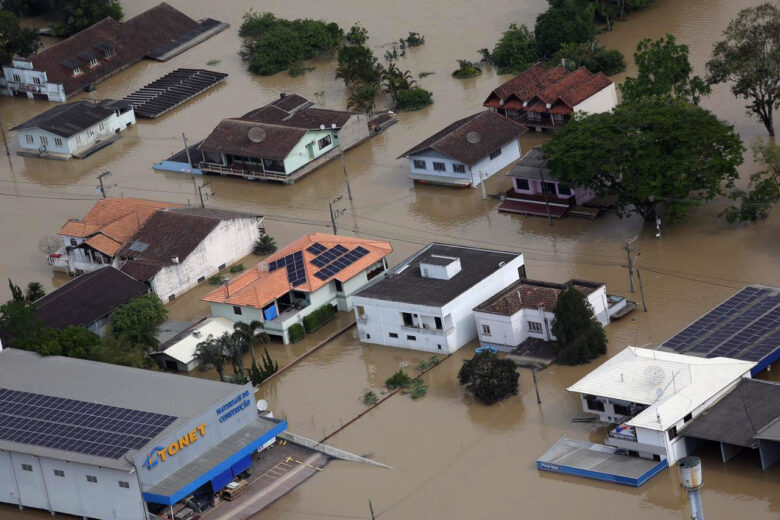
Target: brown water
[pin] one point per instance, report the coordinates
(451, 458)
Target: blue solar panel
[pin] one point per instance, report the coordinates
(341, 262)
(296, 270)
(329, 255)
(77, 426)
(316, 248)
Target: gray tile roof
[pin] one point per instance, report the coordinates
(69, 119)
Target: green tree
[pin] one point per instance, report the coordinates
(515, 51)
(78, 342)
(254, 334)
(265, 245)
(488, 377)
(258, 374)
(16, 292)
(607, 11)
(23, 8)
(749, 58)
(362, 99)
(663, 69)
(658, 157)
(592, 56)
(211, 352)
(763, 191)
(15, 39)
(19, 328)
(466, 69)
(398, 380)
(414, 98)
(34, 292)
(395, 81)
(235, 346)
(356, 62)
(77, 15)
(579, 336)
(566, 21)
(138, 320)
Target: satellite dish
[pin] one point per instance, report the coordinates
(256, 134)
(322, 127)
(655, 375)
(262, 405)
(473, 137)
(333, 126)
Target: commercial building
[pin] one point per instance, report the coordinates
(75, 129)
(104, 441)
(315, 270)
(466, 152)
(426, 301)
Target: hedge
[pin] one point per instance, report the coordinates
(318, 318)
(295, 333)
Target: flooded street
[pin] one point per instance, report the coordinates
(451, 458)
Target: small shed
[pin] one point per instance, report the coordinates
(178, 353)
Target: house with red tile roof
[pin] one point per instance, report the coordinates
(544, 98)
(316, 270)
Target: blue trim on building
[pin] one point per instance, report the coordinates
(172, 166)
(764, 363)
(606, 477)
(220, 468)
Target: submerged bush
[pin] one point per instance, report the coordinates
(414, 98)
(467, 69)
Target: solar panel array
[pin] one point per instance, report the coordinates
(329, 255)
(76, 426)
(316, 248)
(746, 326)
(296, 272)
(341, 262)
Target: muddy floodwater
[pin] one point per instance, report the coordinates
(451, 458)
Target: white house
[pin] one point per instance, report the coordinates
(525, 310)
(548, 98)
(178, 353)
(425, 302)
(178, 248)
(650, 395)
(315, 270)
(466, 152)
(74, 129)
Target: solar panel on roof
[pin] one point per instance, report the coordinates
(77, 426)
(329, 255)
(340, 263)
(316, 248)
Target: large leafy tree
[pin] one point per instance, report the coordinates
(138, 320)
(656, 156)
(488, 377)
(357, 64)
(592, 56)
(754, 202)
(579, 336)
(664, 70)
(566, 21)
(515, 51)
(76, 15)
(749, 59)
(15, 39)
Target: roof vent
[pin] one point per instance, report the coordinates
(439, 267)
(282, 95)
(256, 134)
(473, 137)
(196, 334)
(175, 259)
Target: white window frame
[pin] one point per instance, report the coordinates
(44, 140)
(58, 142)
(30, 138)
(17, 78)
(535, 327)
(36, 80)
(439, 166)
(485, 329)
(322, 144)
(419, 164)
(459, 168)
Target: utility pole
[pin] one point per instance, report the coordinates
(546, 201)
(187, 150)
(482, 178)
(5, 140)
(100, 180)
(639, 277)
(371, 508)
(536, 387)
(200, 192)
(334, 214)
(630, 250)
(346, 174)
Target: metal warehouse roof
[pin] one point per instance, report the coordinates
(172, 90)
(672, 385)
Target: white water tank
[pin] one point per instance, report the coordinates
(690, 472)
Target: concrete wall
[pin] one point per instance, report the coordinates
(299, 156)
(27, 82)
(487, 167)
(230, 241)
(602, 101)
(354, 131)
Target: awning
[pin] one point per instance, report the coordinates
(229, 457)
(440, 179)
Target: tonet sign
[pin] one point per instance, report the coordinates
(161, 453)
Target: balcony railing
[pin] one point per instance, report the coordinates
(626, 434)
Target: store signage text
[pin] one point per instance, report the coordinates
(161, 453)
(235, 405)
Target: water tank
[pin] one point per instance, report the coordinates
(690, 472)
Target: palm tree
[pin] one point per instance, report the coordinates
(211, 352)
(265, 245)
(362, 99)
(394, 80)
(254, 334)
(235, 346)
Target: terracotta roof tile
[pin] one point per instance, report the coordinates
(257, 286)
(532, 294)
(104, 244)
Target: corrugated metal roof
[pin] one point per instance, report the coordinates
(673, 385)
(183, 350)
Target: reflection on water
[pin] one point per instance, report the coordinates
(451, 458)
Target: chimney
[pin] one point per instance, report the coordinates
(440, 267)
(175, 259)
(282, 95)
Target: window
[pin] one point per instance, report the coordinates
(439, 346)
(534, 116)
(202, 278)
(420, 165)
(221, 267)
(76, 71)
(393, 335)
(672, 433)
(30, 139)
(92, 62)
(59, 473)
(17, 78)
(92, 478)
(411, 338)
(339, 286)
(558, 118)
(325, 141)
(594, 404)
(522, 184)
(57, 141)
(26, 467)
(486, 330)
(437, 320)
(73, 241)
(535, 326)
(687, 418)
(459, 168)
(621, 410)
(361, 312)
(407, 317)
(101, 125)
(124, 484)
(564, 190)
(90, 132)
(78, 138)
(439, 166)
(36, 80)
(521, 272)
(44, 140)
(171, 297)
(236, 309)
(495, 154)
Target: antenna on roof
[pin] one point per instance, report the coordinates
(256, 134)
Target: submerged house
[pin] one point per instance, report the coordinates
(74, 129)
(178, 353)
(536, 191)
(547, 98)
(103, 49)
(426, 301)
(282, 141)
(466, 152)
(315, 270)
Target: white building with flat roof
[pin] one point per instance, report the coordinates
(178, 353)
(650, 395)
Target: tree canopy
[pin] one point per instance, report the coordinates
(489, 378)
(15, 39)
(357, 64)
(566, 21)
(515, 51)
(591, 55)
(754, 202)
(77, 15)
(657, 156)
(664, 70)
(138, 319)
(749, 59)
(579, 336)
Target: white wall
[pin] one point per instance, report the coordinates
(84, 139)
(602, 101)
(431, 156)
(483, 169)
(230, 241)
(487, 167)
(27, 75)
(50, 139)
